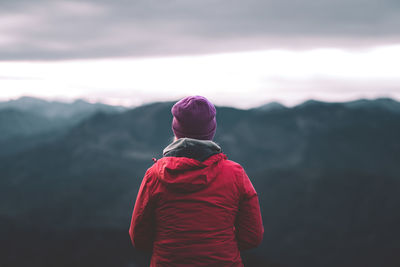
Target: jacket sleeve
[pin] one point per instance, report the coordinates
(249, 228)
(142, 226)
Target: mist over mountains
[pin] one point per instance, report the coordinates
(28, 121)
(327, 175)
(56, 109)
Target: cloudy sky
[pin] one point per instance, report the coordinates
(235, 52)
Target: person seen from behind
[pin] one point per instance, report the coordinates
(195, 207)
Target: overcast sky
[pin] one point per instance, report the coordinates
(130, 52)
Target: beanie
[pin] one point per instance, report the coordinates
(194, 117)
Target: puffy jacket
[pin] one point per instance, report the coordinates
(196, 208)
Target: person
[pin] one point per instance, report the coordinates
(194, 206)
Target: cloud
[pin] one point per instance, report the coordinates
(244, 79)
(52, 30)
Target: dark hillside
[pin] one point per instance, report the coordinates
(327, 175)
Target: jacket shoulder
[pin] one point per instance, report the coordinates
(233, 170)
(241, 178)
(233, 165)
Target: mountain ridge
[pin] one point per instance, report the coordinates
(327, 177)
(57, 109)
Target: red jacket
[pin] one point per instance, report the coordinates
(196, 213)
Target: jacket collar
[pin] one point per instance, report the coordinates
(192, 148)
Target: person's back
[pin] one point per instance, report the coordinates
(195, 207)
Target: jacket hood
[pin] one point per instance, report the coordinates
(192, 148)
(181, 168)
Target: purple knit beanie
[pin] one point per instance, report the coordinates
(194, 117)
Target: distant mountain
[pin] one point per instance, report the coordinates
(384, 103)
(380, 103)
(14, 122)
(54, 109)
(28, 121)
(327, 176)
(21, 130)
(271, 106)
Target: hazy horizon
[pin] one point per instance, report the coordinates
(70, 101)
